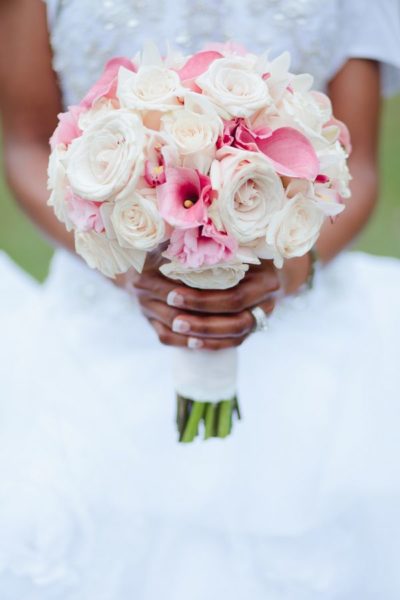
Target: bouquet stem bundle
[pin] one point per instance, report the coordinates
(214, 418)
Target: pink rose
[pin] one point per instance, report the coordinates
(84, 214)
(184, 197)
(106, 86)
(68, 128)
(201, 246)
(236, 133)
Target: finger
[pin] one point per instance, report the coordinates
(253, 290)
(154, 285)
(155, 309)
(267, 308)
(170, 338)
(219, 326)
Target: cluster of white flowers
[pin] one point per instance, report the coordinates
(224, 156)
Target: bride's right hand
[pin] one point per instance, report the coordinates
(207, 319)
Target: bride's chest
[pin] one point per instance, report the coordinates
(86, 33)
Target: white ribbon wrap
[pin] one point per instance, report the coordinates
(204, 375)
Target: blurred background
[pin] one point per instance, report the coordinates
(382, 236)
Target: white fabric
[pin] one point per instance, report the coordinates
(206, 376)
(97, 499)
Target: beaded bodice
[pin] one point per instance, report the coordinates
(86, 33)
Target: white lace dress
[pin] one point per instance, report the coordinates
(302, 502)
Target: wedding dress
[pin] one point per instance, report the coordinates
(98, 501)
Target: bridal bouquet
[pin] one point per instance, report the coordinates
(218, 160)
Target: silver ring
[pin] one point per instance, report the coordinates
(260, 319)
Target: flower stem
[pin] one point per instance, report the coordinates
(210, 420)
(192, 426)
(225, 418)
(216, 416)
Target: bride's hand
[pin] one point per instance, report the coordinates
(209, 319)
(212, 319)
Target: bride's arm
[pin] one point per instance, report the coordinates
(356, 99)
(29, 104)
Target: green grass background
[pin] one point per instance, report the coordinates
(19, 238)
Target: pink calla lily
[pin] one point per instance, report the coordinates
(184, 197)
(106, 86)
(288, 150)
(195, 66)
(290, 153)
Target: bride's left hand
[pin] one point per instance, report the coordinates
(212, 319)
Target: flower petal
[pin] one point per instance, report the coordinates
(180, 185)
(197, 64)
(291, 153)
(107, 83)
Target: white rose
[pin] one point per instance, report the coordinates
(195, 130)
(235, 87)
(107, 156)
(249, 194)
(57, 184)
(218, 277)
(333, 163)
(137, 222)
(106, 255)
(102, 107)
(306, 111)
(294, 230)
(151, 88)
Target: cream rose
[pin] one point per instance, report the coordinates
(333, 161)
(218, 277)
(235, 87)
(137, 222)
(294, 230)
(107, 156)
(101, 108)
(57, 184)
(304, 110)
(249, 194)
(151, 88)
(195, 130)
(106, 255)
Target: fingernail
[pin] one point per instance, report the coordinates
(194, 343)
(180, 326)
(175, 299)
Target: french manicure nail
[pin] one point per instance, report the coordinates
(194, 343)
(180, 326)
(175, 299)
